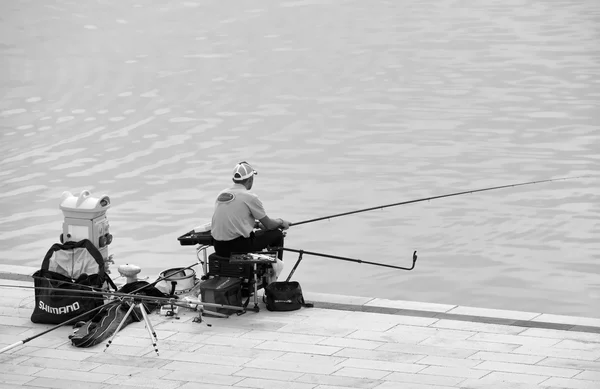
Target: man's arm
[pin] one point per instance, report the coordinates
(271, 224)
(257, 209)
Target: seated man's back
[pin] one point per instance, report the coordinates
(237, 211)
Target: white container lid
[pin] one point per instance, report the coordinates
(84, 205)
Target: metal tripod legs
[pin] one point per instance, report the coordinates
(147, 322)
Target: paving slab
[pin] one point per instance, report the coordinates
(343, 342)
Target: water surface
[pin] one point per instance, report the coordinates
(340, 105)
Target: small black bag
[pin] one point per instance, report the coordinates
(284, 296)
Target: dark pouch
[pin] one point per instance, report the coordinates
(284, 296)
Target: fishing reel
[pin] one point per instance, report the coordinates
(170, 310)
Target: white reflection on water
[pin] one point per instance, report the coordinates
(340, 106)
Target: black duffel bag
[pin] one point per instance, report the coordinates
(59, 299)
(284, 296)
(67, 270)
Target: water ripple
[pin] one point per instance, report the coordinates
(340, 106)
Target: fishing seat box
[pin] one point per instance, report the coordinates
(219, 266)
(221, 290)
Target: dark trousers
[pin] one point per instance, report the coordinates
(257, 241)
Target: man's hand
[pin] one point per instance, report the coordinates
(272, 224)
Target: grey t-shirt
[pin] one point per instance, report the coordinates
(236, 210)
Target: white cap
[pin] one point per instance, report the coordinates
(242, 171)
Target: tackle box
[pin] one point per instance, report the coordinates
(221, 290)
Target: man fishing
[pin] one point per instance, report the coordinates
(238, 211)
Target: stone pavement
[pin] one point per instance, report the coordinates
(343, 342)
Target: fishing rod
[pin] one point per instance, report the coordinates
(74, 319)
(123, 297)
(433, 198)
(97, 294)
(94, 288)
(21, 342)
(63, 282)
(188, 304)
(301, 252)
(169, 301)
(164, 277)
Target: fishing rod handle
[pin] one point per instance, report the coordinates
(17, 344)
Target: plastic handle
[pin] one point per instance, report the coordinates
(82, 197)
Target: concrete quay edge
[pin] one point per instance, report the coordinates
(407, 308)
